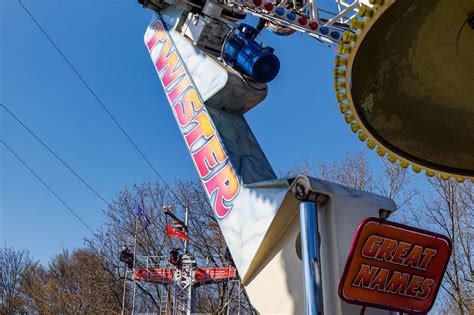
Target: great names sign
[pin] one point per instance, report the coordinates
(394, 266)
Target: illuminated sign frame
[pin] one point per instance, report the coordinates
(394, 266)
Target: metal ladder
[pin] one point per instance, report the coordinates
(164, 300)
(163, 262)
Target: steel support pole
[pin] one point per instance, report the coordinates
(313, 290)
(134, 261)
(189, 300)
(186, 229)
(124, 290)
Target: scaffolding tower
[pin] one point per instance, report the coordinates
(177, 275)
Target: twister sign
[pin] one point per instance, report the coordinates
(200, 134)
(394, 266)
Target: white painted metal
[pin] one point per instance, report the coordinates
(340, 17)
(278, 286)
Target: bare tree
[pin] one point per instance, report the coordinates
(207, 243)
(356, 172)
(91, 279)
(13, 264)
(448, 208)
(73, 283)
(211, 250)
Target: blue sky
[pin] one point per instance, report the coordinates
(104, 40)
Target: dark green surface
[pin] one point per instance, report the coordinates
(413, 83)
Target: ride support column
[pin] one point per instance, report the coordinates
(313, 290)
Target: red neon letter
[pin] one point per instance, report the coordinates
(371, 246)
(427, 255)
(414, 285)
(414, 257)
(365, 275)
(425, 289)
(385, 252)
(401, 251)
(379, 281)
(398, 282)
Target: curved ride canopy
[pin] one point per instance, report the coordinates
(405, 84)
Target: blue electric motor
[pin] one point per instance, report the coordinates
(243, 53)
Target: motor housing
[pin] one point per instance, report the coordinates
(244, 54)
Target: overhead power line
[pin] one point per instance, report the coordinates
(99, 101)
(74, 213)
(56, 155)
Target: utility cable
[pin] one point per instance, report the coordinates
(74, 213)
(55, 155)
(102, 105)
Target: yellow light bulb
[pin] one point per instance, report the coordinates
(348, 36)
(371, 144)
(403, 164)
(340, 61)
(344, 108)
(380, 151)
(445, 176)
(430, 173)
(365, 11)
(339, 85)
(362, 136)
(338, 73)
(344, 49)
(341, 97)
(349, 118)
(416, 168)
(355, 127)
(356, 24)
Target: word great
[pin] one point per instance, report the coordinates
(200, 135)
(398, 252)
